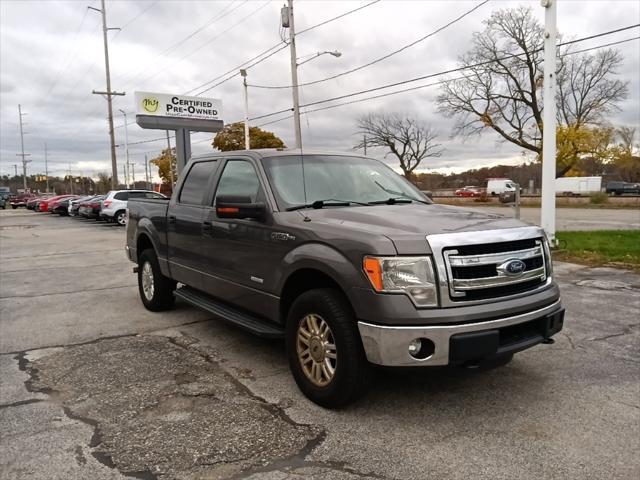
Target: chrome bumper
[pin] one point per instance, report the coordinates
(388, 345)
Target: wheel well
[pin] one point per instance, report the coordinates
(143, 243)
(302, 281)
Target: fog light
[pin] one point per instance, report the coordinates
(414, 346)
(421, 348)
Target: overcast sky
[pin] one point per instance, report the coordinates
(52, 58)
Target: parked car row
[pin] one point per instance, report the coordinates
(111, 207)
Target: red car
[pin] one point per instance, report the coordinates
(43, 205)
(469, 191)
(20, 200)
(55, 206)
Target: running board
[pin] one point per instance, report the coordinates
(246, 321)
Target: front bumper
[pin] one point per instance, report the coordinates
(388, 345)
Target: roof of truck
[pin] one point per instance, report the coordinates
(275, 152)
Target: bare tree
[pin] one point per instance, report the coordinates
(408, 139)
(502, 87)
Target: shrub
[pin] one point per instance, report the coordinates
(598, 198)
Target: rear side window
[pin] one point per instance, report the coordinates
(136, 194)
(195, 185)
(153, 195)
(121, 196)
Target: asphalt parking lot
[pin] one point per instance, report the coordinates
(94, 386)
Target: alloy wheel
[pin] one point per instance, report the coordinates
(316, 350)
(147, 281)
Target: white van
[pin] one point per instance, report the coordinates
(495, 186)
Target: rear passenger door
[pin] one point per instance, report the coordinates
(184, 223)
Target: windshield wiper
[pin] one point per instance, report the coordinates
(393, 192)
(392, 201)
(331, 202)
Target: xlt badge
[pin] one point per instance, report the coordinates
(282, 236)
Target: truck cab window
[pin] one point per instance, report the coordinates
(239, 178)
(195, 185)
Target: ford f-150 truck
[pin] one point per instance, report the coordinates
(348, 262)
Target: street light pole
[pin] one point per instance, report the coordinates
(126, 144)
(46, 166)
(294, 76)
(22, 154)
(548, 207)
(247, 143)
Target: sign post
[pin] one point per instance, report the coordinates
(183, 114)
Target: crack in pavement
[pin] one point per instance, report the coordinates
(61, 267)
(109, 337)
(69, 292)
(77, 252)
(626, 331)
(136, 436)
(21, 402)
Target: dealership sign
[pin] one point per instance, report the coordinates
(167, 105)
(169, 112)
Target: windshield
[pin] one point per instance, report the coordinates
(335, 178)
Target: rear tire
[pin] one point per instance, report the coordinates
(120, 218)
(325, 351)
(156, 290)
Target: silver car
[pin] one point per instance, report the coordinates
(114, 206)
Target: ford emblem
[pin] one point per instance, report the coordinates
(513, 267)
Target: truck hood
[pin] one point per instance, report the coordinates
(407, 225)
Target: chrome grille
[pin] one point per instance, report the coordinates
(477, 272)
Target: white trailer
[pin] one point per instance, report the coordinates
(578, 185)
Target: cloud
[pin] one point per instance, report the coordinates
(51, 67)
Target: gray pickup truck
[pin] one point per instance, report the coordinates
(345, 260)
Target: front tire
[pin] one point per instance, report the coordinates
(156, 290)
(324, 348)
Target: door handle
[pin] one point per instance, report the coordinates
(172, 219)
(206, 226)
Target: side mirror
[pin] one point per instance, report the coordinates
(237, 206)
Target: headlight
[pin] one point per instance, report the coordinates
(413, 276)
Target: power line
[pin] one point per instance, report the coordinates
(336, 18)
(221, 34)
(218, 16)
(211, 22)
(380, 59)
(459, 69)
(236, 69)
(237, 73)
(136, 17)
(71, 54)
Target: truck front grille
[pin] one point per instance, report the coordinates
(480, 271)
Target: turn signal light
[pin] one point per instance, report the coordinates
(228, 210)
(374, 272)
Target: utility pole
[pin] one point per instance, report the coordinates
(247, 143)
(288, 22)
(15, 170)
(170, 166)
(109, 94)
(548, 209)
(46, 166)
(133, 175)
(23, 155)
